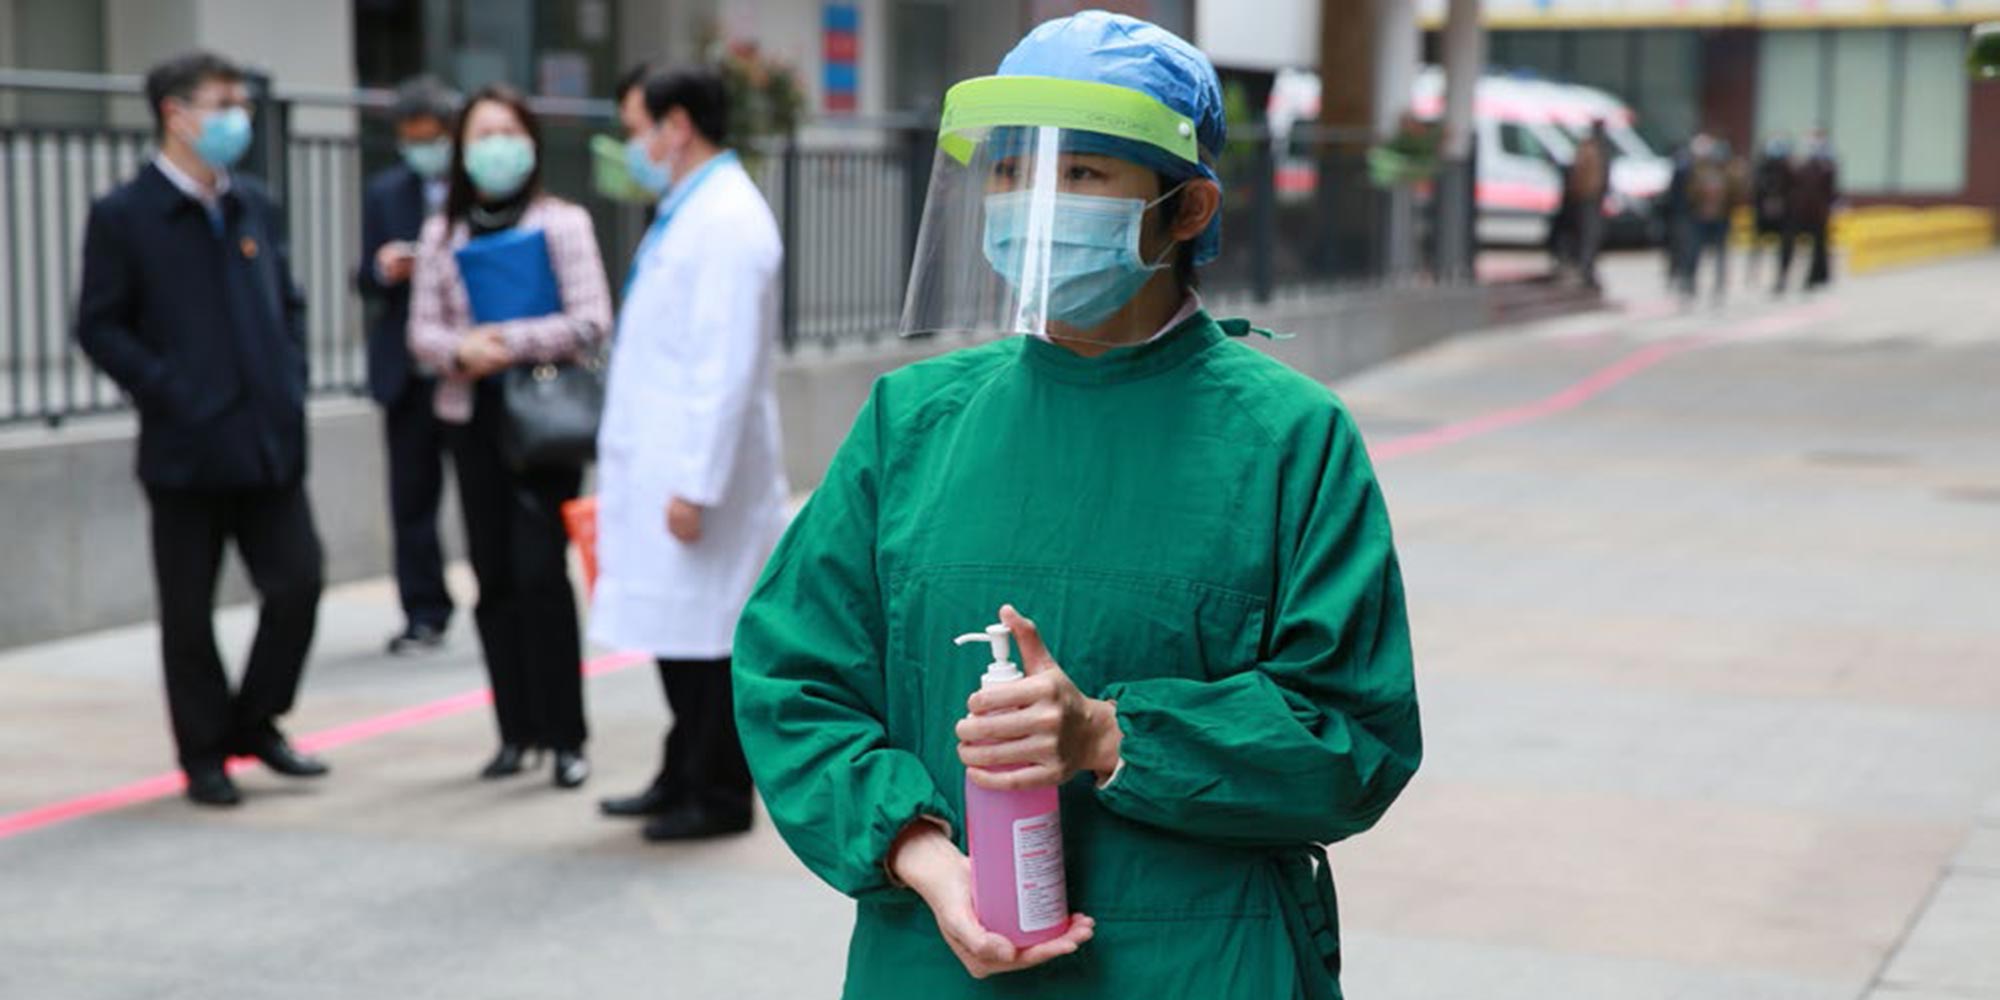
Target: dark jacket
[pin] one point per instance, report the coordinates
(1772, 196)
(1588, 176)
(392, 208)
(205, 331)
(1815, 187)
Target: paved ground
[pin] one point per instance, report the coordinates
(1708, 619)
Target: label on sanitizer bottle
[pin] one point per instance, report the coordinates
(1042, 899)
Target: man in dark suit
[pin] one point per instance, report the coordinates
(1814, 188)
(392, 213)
(188, 304)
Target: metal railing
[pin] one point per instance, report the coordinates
(1298, 215)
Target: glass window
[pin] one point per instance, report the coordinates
(1517, 140)
(59, 35)
(1931, 156)
(1788, 82)
(495, 45)
(1557, 147)
(1540, 51)
(920, 66)
(1603, 59)
(1668, 91)
(1859, 127)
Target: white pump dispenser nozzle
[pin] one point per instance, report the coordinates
(1001, 669)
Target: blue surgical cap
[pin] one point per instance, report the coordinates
(1124, 51)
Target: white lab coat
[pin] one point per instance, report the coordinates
(691, 411)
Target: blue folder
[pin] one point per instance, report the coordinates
(508, 276)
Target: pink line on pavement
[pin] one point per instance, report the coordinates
(160, 786)
(1591, 386)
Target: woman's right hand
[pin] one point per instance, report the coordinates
(926, 860)
(482, 351)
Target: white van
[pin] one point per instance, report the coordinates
(1527, 130)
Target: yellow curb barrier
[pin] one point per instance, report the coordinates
(1877, 236)
(1885, 236)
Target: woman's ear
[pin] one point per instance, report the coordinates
(1199, 202)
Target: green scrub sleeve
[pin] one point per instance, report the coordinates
(810, 694)
(1314, 742)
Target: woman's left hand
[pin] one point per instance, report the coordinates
(1039, 730)
(483, 351)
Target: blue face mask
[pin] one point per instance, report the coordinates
(499, 164)
(224, 136)
(428, 159)
(644, 171)
(1094, 263)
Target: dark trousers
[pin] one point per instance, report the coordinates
(1706, 236)
(416, 448)
(704, 764)
(1820, 271)
(273, 531)
(1588, 219)
(526, 612)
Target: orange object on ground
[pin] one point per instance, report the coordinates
(580, 519)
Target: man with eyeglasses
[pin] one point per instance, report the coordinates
(188, 303)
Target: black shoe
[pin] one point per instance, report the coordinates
(571, 769)
(510, 761)
(279, 756)
(210, 786)
(417, 639)
(692, 822)
(656, 799)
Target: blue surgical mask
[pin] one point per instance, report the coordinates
(499, 164)
(1094, 262)
(646, 173)
(224, 136)
(428, 159)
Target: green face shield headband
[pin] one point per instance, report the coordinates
(973, 108)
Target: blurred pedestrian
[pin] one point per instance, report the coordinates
(393, 208)
(1770, 194)
(188, 303)
(513, 520)
(1713, 191)
(691, 489)
(1814, 188)
(1584, 186)
(1676, 223)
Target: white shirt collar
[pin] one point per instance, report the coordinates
(188, 185)
(1189, 306)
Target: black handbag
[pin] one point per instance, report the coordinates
(552, 412)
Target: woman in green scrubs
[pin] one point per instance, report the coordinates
(1219, 660)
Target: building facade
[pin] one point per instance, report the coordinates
(1886, 78)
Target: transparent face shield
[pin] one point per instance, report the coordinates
(1040, 230)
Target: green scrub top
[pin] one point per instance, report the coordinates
(1198, 533)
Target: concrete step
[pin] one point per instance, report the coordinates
(1543, 297)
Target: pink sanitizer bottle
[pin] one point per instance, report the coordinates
(1015, 840)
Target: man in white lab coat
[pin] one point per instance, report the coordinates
(691, 492)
